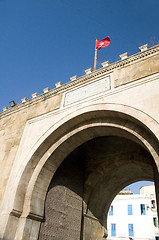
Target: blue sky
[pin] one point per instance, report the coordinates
(135, 187)
(46, 41)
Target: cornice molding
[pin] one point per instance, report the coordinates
(35, 217)
(15, 213)
(83, 79)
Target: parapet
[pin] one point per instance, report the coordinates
(106, 68)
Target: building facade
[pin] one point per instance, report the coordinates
(134, 215)
(65, 154)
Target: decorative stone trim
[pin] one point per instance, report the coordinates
(87, 90)
(34, 216)
(24, 100)
(73, 78)
(45, 90)
(144, 47)
(96, 73)
(5, 109)
(34, 95)
(105, 64)
(124, 56)
(58, 84)
(88, 71)
(16, 213)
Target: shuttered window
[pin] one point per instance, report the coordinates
(131, 230)
(111, 210)
(143, 210)
(113, 229)
(130, 212)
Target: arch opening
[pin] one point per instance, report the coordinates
(87, 181)
(61, 141)
(133, 212)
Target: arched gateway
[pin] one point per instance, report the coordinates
(72, 149)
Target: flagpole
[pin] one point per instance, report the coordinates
(95, 56)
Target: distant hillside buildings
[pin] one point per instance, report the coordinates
(134, 216)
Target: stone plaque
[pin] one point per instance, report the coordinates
(88, 90)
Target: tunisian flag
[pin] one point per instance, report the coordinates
(103, 43)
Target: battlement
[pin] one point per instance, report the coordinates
(86, 139)
(122, 75)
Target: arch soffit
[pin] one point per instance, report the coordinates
(92, 111)
(83, 115)
(104, 186)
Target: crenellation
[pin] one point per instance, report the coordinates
(124, 56)
(24, 100)
(143, 48)
(46, 90)
(65, 153)
(88, 71)
(58, 84)
(105, 64)
(125, 60)
(73, 78)
(34, 95)
(5, 109)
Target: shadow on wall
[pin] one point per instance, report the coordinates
(87, 181)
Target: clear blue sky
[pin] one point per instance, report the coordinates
(135, 187)
(46, 41)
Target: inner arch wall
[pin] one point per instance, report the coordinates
(33, 131)
(99, 120)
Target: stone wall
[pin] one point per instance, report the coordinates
(136, 70)
(38, 134)
(12, 125)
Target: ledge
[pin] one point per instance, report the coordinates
(78, 81)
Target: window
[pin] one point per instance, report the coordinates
(155, 222)
(142, 207)
(131, 230)
(113, 229)
(153, 204)
(130, 212)
(111, 210)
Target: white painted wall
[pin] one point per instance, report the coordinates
(142, 224)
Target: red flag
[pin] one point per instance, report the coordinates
(103, 43)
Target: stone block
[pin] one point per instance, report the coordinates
(24, 100)
(143, 48)
(89, 70)
(73, 78)
(58, 84)
(45, 90)
(124, 56)
(5, 109)
(34, 95)
(105, 64)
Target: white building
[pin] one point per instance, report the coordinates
(134, 215)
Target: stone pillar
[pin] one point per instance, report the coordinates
(93, 228)
(27, 229)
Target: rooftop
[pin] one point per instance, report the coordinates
(106, 68)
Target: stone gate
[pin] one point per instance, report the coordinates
(65, 154)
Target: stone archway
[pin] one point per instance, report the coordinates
(83, 187)
(63, 138)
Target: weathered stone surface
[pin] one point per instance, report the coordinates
(111, 135)
(136, 70)
(11, 129)
(63, 208)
